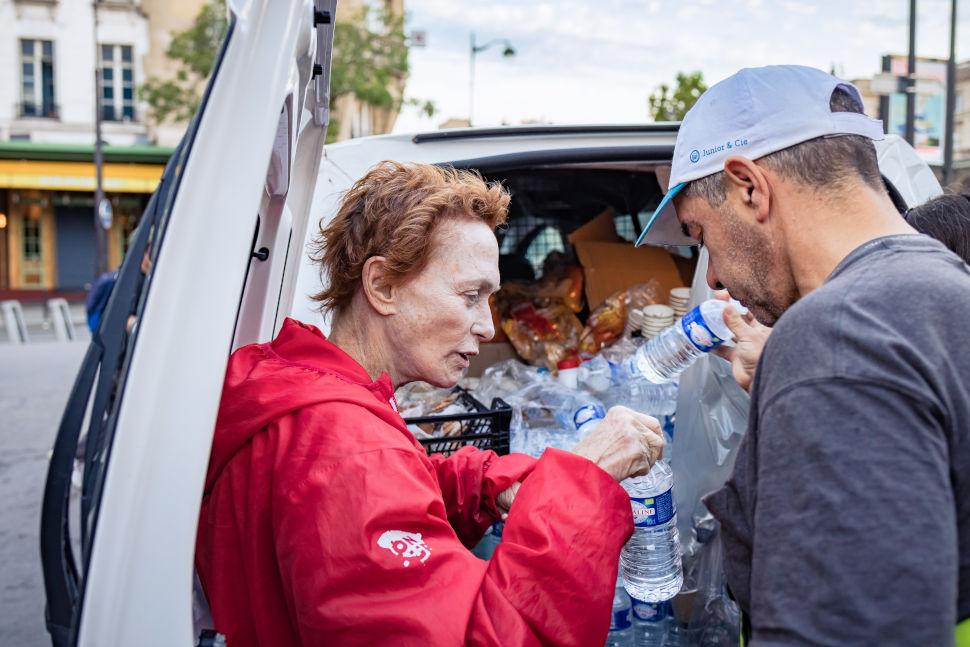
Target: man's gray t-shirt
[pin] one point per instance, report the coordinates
(847, 518)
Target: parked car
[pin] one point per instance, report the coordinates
(227, 228)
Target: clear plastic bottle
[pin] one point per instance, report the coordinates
(550, 415)
(596, 374)
(650, 562)
(679, 635)
(668, 354)
(568, 372)
(641, 395)
(617, 384)
(621, 623)
(651, 621)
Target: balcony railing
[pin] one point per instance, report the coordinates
(109, 113)
(33, 110)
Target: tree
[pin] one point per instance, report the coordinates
(194, 53)
(667, 106)
(370, 61)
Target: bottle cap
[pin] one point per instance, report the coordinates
(740, 309)
(569, 362)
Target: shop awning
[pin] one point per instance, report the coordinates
(56, 167)
(78, 176)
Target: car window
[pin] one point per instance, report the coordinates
(548, 239)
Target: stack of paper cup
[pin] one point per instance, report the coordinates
(634, 320)
(656, 318)
(679, 300)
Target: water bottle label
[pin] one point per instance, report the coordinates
(650, 611)
(587, 413)
(698, 332)
(621, 620)
(652, 511)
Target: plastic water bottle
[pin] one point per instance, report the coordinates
(551, 415)
(650, 561)
(617, 383)
(644, 396)
(651, 620)
(597, 374)
(679, 635)
(699, 331)
(621, 624)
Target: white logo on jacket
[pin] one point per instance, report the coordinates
(408, 545)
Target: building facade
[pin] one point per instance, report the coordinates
(930, 112)
(165, 17)
(49, 54)
(50, 51)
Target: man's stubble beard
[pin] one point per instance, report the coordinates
(764, 292)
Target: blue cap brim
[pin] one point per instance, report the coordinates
(663, 228)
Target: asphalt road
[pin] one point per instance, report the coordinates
(35, 380)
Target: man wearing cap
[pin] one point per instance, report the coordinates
(846, 520)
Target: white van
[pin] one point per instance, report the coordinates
(227, 229)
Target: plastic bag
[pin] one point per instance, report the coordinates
(561, 282)
(506, 378)
(543, 336)
(712, 416)
(607, 322)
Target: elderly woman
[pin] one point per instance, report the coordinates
(325, 523)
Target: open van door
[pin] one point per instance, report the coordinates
(218, 271)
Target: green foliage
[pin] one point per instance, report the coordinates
(194, 53)
(370, 61)
(667, 106)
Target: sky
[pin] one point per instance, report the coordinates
(597, 61)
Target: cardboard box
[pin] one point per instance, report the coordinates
(612, 264)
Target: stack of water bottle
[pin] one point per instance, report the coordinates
(560, 412)
(639, 624)
(650, 562)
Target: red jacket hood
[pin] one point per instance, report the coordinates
(299, 368)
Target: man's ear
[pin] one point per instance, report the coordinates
(749, 181)
(379, 289)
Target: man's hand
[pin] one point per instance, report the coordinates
(624, 444)
(750, 337)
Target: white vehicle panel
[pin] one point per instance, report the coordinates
(139, 584)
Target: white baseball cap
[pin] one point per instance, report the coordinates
(753, 113)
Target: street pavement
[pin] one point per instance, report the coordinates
(35, 380)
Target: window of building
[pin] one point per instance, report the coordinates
(117, 83)
(31, 238)
(37, 79)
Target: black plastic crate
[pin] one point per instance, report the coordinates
(481, 426)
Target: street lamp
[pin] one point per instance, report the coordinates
(508, 52)
(102, 208)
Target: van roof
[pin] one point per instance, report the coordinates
(355, 156)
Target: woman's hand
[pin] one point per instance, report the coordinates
(750, 337)
(624, 444)
(504, 500)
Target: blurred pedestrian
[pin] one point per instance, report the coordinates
(947, 219)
